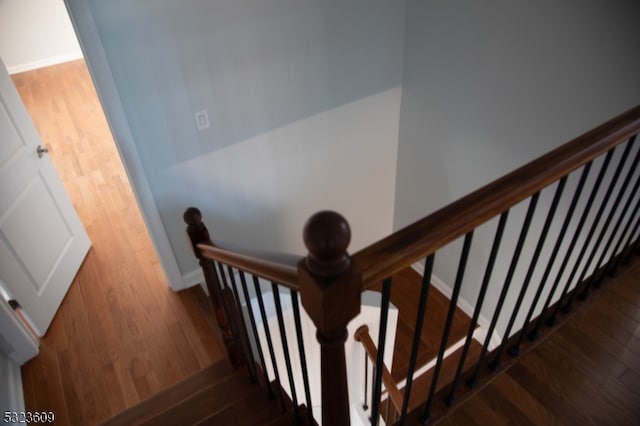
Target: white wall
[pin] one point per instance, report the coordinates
(35, 34)
(303, 99)
(488, 86)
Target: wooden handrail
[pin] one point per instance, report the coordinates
(362, 335)
(422, 238)
(280, 268)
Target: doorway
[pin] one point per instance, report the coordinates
(121, 334)
(60, 99)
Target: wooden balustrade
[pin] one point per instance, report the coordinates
(412, 243)
(330, 281)
(199, 234)
(329, 288)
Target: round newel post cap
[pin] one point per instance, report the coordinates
(192, 217)
(327, 235)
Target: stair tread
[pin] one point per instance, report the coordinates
(209, 400)
(421, 385)
(289, 418)
(407, 285)
(173, 395)
(254, 408)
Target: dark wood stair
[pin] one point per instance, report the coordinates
(404, 295)
(421, 384)
(215, 395)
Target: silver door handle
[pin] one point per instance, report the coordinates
(41, 151)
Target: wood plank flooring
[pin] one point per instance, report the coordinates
(121, 334)
(405, 293)
(587, 372)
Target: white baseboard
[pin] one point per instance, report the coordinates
(46, 62)
(193, 278)
(428, 366)
(464, 306)
(196, 277)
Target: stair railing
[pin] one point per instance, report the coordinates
(393, 393)
(329, 289)
(588, 230)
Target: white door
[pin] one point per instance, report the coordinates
(42, 241)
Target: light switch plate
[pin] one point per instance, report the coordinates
(202, 120)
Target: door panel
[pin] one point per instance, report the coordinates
(38, 255)
(42, 241)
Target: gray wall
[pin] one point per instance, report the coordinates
(303, 99)
(488, 86)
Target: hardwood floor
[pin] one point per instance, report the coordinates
(121, 334)
(587, 372)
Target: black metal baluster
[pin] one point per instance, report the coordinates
(223, 278)
(373, 391)
(543, 281)
(230, 307)
(365, 406)
(596, 186)
(632, 244)
(532, 267)
(254, 329)
(596, 277)
(301, 350)
(627, 249)
(619, 248)
(267, 333)
(625, 235)
(476, 312)
(515, 349)
(589, 236)
(453, 305)
(505, 286)
(417, 334)
(244, 338)
(285, 348)
(512, 268)
(377, 383)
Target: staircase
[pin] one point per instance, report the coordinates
(220, 395)
(217, 395)
(569, 219)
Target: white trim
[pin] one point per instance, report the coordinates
(194, 277)
(23, 344)
(46, 62)
(95, 56)
(428, 366)
(12, 383)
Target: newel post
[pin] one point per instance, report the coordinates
(199, 234)
(330, 292)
